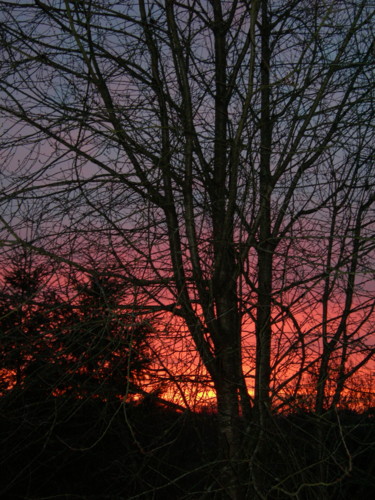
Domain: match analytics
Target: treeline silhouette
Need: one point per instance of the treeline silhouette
(71, 364)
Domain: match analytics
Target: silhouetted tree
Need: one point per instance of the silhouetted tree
(29, 322)
(87, 342)
(104, 344)
(220, 152)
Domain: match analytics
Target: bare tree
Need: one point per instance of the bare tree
(220, 152)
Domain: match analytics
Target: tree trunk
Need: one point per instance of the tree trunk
(229, 439)
(265, 262)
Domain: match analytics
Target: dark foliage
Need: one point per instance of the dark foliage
(85, 343)
(90, 449)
